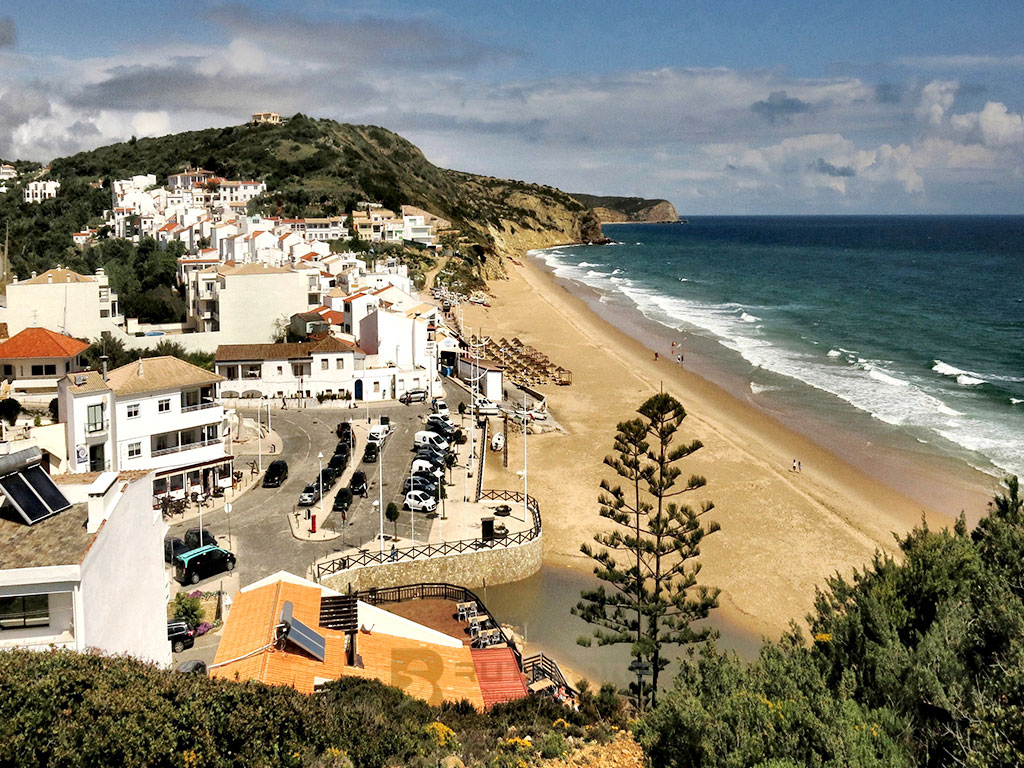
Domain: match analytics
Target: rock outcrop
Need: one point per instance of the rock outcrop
(624, 209)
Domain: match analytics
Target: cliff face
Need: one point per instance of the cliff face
(623, 209)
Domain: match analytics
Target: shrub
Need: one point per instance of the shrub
(188, 608)
(552, 745)
(9, 410)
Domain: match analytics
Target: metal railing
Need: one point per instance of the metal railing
(199, 406)
(186, 446)
(437, 591)
(366, 558)
(539, 666)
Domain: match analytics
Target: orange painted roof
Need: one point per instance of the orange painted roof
(433, 673)
(40, 342)
(499, 675)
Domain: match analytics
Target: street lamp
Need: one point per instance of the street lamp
(380, 509)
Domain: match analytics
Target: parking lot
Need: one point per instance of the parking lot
(260, 532)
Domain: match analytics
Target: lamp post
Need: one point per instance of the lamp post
(525, 510)
(380, 495)
(259, 437)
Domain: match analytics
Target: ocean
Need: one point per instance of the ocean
(895, 328)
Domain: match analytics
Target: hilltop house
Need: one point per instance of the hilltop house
(35, 359)
(74, 556)
(157, 413)
(8, 172)
(82, 306)
(37, 191)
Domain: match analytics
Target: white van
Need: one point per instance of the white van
(422, 466)
(378, 434)
(433, 439)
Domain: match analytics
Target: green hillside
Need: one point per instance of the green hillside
(629, 208)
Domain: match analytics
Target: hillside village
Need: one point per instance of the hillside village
(108, 469)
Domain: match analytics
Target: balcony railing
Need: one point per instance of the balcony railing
(199, 406)
(96, 427)
(187, 446)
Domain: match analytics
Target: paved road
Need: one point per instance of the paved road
(258, 522)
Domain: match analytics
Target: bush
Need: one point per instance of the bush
(188, 608)
(552, 745)
(54, 410)
(9, 410)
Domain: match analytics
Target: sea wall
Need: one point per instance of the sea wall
(471, 569)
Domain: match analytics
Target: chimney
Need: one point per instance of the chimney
(140, 368)
(103, 365)
(103, 495)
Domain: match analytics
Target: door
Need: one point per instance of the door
(359, 389)
(96, 458)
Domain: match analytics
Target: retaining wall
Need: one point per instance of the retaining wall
(471, 569)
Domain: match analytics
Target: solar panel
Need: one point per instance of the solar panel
(44, 486)
(341, 613)
(18, 491)
(311, 641)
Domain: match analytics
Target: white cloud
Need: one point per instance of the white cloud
(936, 99)
(962, 61)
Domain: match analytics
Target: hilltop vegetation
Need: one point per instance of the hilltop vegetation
(312, 167)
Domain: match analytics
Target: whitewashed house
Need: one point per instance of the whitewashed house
(74, 556)
(35, 359)
(77, 305)
(37, 191)
(157, 413)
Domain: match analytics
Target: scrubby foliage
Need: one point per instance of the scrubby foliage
(918, 663)
(66, 709)
(117, 354)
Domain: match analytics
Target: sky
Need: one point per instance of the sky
(721, 107)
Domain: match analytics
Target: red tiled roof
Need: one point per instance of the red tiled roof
(40, 342)
(499, 676)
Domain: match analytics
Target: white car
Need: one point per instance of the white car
(498, 441)
(441, 407)
(419, 501)
(422, 466)
(485, 407)
(378, 434)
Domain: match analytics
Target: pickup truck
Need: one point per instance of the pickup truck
(484, 407)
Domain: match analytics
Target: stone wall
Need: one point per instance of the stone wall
(472, 569)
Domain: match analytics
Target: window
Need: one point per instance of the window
(340, 364)
(24, 611)
(104, 313)
(280, 370)
(8, 370)
(163, 406)
(37, 370)
(376, 386)
(50, 370)
(94, 418)
(325, 364)
(134, 450)
(133, 411)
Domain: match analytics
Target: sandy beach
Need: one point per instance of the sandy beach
(782, 532)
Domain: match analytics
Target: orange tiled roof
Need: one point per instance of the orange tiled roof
(431, 672)
(40, 342)
(499, 675)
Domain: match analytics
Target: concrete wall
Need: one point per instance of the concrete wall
(495, 566)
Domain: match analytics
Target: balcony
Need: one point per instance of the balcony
(97, 427)
(199, 406)
(187, 446)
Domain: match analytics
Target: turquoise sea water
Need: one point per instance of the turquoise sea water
(916, 321)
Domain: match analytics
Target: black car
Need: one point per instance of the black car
(419, 483)
(370, 452)
(358, 483)
(344, 430)
(328, 477)
(197, 564)
(181, 634)
(413, 396)
(173, 548)
(192, 538)
(338, 463)
(421, 476)
(343, 448)
(440, 429)
(276, 474)
(343, 500)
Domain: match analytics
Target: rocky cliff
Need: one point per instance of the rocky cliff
(623, 209)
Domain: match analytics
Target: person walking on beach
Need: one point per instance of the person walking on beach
(799, 466)
(794, 465)
(679, 358)
(655, 355)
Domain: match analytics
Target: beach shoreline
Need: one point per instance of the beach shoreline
(783, 532)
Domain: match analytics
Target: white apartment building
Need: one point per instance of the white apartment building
(8, 172)
(329, 228)
(76, 305)
(74, 555)
(37, 191)
(245, 302)
(157, 413)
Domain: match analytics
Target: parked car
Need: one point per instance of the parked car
(276, 474)
(344, 448)
(441, 407)
(338, 462)
(357, 483)
(440, 428)
(443, 421)
(370, 452)
(344, 430)
(434, 461)
(328, 476)
(181, 634)
(172, 548)
(413, 396)
(434, 454)
(342, 500)
(485, 407)
(192, 539)
(419, 483)
(310, 495)
(378, 434)
(419, 501)
(498, 441)
(192, 667)
(426, 437)
(426, 467)
(201, 563)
